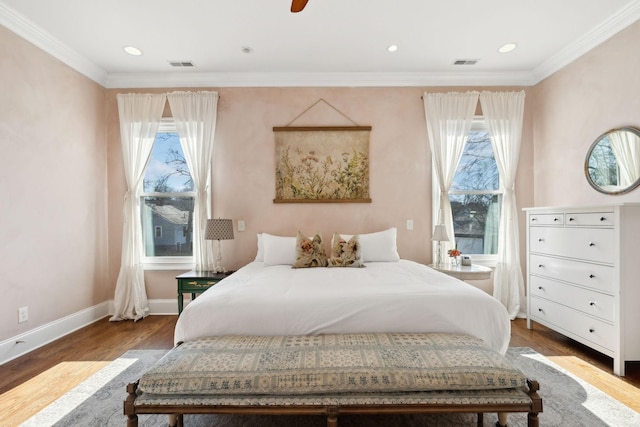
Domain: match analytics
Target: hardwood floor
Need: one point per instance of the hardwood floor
(50, 371)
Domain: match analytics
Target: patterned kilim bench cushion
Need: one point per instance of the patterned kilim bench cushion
(329, 364)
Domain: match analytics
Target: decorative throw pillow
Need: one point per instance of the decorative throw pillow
(309, 252)
(345, 253)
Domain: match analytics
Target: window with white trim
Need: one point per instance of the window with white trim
(476, 196)
(167, 202)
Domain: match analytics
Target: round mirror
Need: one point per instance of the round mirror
(612, 165)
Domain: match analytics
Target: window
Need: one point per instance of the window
(167, 201)
(476, 196)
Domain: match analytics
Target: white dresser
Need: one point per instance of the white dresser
(583, 276)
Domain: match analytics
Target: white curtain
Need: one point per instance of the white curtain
(195, 114)
(140, 116)
(449, 118)
(503, 113)
(626, 149)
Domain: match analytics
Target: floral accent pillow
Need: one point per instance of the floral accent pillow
(309, 252)
(345, 253)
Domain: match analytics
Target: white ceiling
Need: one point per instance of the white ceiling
(330, 43)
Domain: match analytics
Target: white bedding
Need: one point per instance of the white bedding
(401, 296)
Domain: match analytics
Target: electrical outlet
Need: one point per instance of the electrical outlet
(23, 314)
(409, 224)
(241, 226)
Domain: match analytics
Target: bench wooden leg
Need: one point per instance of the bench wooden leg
(129, 407)
(332, 416)
(132, 420)
(480, 419)
(502, 419)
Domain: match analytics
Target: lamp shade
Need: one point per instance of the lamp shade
(219, 229)
(440, 234)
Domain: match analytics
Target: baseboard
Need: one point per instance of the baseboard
(165, 306)
(35, 338)
(22, 344)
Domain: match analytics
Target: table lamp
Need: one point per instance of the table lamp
(439, 235)
(219, 229)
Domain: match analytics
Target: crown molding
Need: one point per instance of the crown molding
(20, 25)
(605, 30)
(347, 79)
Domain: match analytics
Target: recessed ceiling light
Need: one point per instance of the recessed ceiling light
(132, 50)
(507, 47)
(246, 49)
(392, 48)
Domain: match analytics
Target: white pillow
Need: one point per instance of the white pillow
(260, 254)
(278, 250)
(378, 247)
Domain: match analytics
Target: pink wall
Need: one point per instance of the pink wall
(53, 181)
(243, 169)
(597, 92)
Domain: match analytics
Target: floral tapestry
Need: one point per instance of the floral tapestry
(322, 164)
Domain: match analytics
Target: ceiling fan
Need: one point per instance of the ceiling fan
(298, 5)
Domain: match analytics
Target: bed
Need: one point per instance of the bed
(401, 296)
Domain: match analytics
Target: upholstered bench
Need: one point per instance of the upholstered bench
(331, 375)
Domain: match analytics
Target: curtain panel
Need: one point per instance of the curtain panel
(503, 113)
(449, 118)
(140, 116)
(195, 115)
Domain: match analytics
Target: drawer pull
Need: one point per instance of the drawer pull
(534, 219)
(591, 244)
(591, 303)
(603, 218)
(571, 219)
(591, 330)
(555, 219)
(540, 239)
(540, 288)
(541, 310)
(591, 276)
(540, 265)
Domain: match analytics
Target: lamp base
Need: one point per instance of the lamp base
(218, 268)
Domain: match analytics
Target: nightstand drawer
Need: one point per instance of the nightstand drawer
(197, 285)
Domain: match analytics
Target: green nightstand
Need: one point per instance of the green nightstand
(196, 282)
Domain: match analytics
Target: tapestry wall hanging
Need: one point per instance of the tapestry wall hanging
(322, 164)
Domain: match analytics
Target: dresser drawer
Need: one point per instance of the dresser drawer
(590, 244)
(600, 277)
(592, 219)
(574, 322)
(546, 219)
(585, 300)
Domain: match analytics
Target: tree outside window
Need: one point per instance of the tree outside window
(475, 196)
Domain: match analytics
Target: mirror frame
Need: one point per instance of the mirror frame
(590, 151)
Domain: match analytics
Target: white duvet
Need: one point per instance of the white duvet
(399, 296)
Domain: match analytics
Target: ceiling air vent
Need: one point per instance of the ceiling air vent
(465, 62)
(181, 63)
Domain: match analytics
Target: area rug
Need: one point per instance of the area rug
(567, 401)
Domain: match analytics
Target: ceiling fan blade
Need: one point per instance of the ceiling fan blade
(298, 5)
